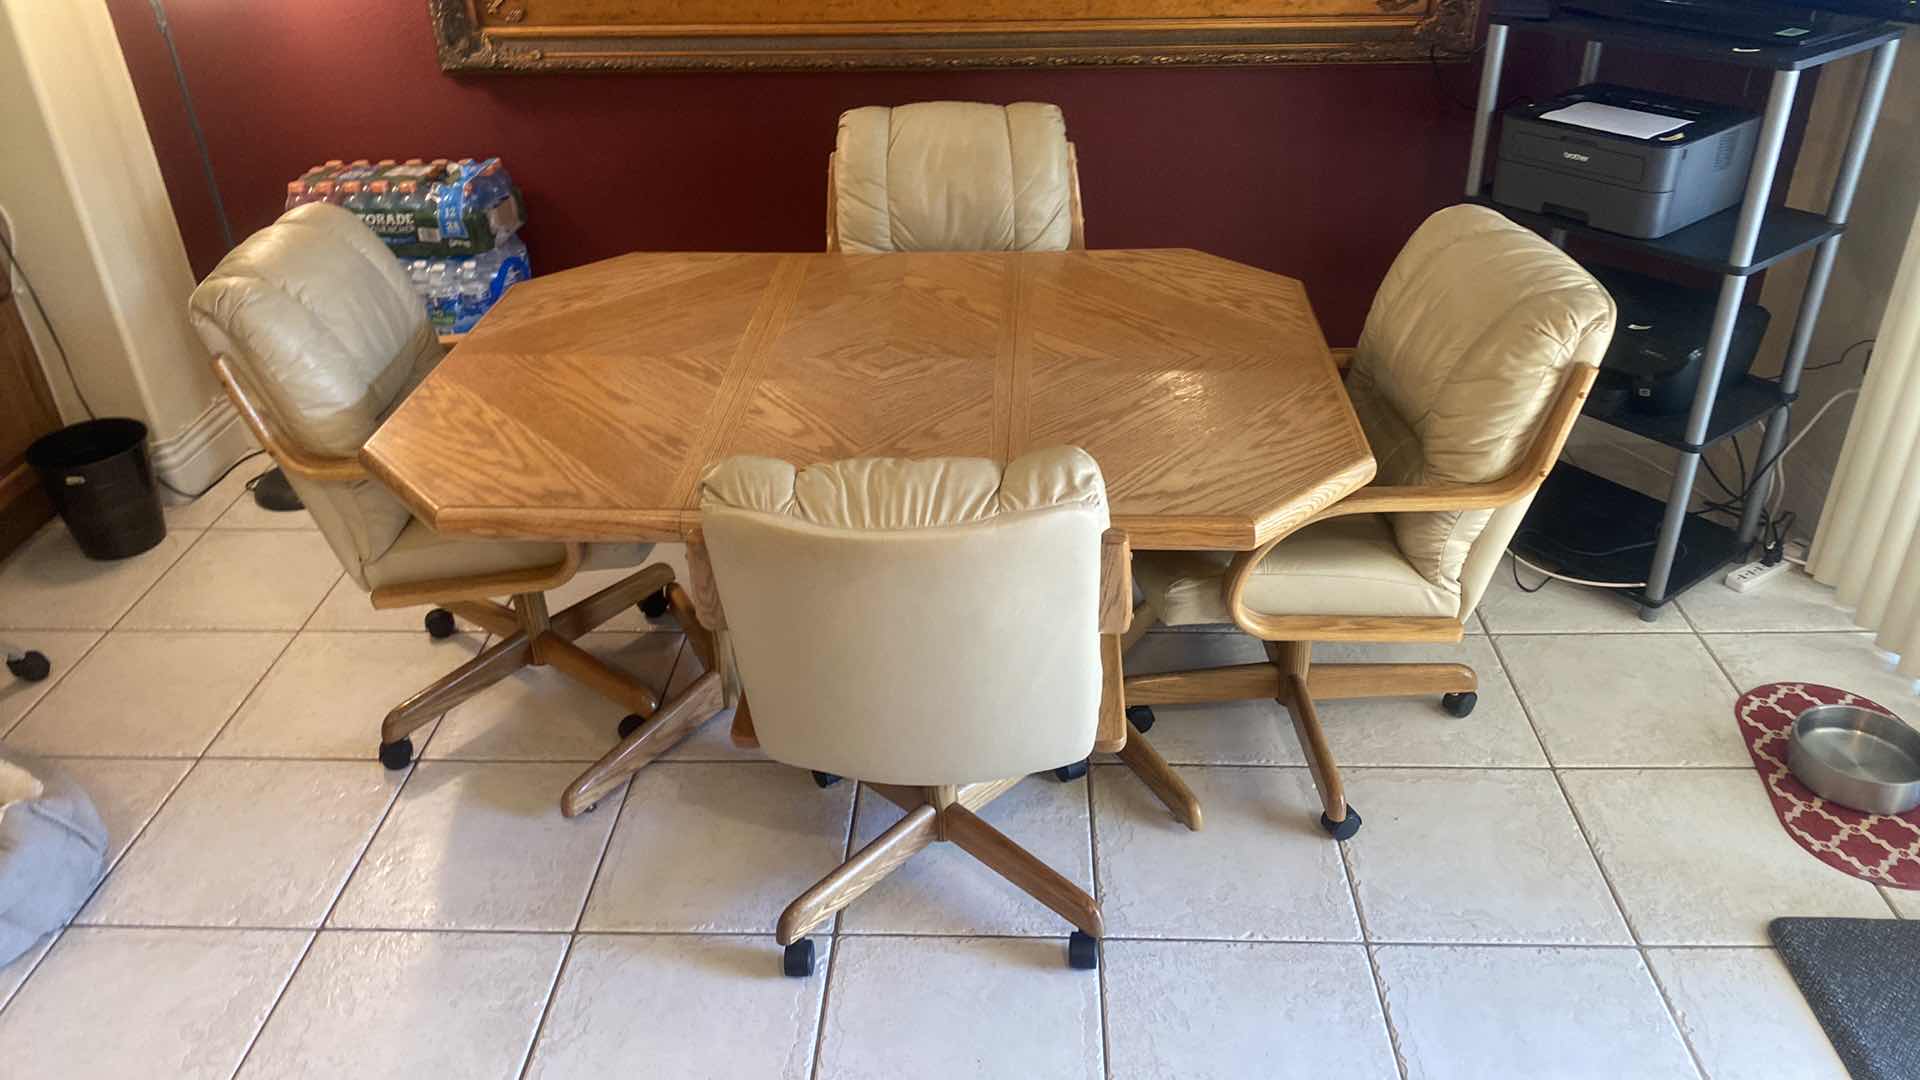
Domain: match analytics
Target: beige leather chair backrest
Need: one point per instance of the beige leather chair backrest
(953, 176)
(914, 622)
(1463, 352)
(326, 335)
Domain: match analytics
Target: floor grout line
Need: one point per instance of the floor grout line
(573, 936)
(99, 636)
(345, 880)
(903, 935)
(834, 939)
(1373, 963)
(1093, 871)
(73, 921)
(1613, 890)
(553, 991)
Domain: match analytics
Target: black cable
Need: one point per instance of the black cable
(1844, 353)
(1571, 550)
(1514, 565)
(34, 294)
(1440, 84)
(1732, 493)
(216, 481)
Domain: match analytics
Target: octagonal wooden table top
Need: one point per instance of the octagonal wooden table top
(588, 403)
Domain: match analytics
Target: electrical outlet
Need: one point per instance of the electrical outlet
(1753, 575)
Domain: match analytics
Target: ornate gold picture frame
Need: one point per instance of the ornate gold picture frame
(828, 35)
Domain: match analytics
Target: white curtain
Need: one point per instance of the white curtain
(1868, 543)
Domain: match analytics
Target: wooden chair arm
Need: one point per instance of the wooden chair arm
(1077, 238)
(284, 451)
(700, 585)
(833, 203)
(1116, 582)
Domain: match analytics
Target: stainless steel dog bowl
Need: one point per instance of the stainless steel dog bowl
(1866, 760)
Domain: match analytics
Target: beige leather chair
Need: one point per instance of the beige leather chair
(953, 176)
(932, 628)
(1476, 356)
(317, 336)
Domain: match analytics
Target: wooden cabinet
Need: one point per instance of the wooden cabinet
(26, 413)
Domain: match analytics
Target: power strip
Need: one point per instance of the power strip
(1753, 575)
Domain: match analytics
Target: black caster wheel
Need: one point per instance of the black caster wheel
(654, 605)
(1083, 951)
(1459, 704)
(31, 666)
(798, 960)
(825, 780)
(1141, 717)
(440, 624)
(630, 723)
(1067, 773)
(397, 755)
(1345, 827)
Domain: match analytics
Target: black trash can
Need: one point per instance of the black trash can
(100, 479)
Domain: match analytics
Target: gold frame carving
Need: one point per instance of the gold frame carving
(493, 36)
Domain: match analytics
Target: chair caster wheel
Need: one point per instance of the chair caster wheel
(440, 624)
(654, 605)
(397, 754)
(1066, 773)
(31, 666)
(1345, 827)
(1083, 951)
(825, 780)
(798, 959)
(630, 723)
(1459, 704)
(1141, 717)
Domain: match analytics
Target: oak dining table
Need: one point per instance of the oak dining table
(587, 404)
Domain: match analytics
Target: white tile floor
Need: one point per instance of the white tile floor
(1574, 881)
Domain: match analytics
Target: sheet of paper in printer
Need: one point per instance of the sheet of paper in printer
(1615, 120)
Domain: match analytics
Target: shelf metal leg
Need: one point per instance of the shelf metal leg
(1686, 469)
(1495, 59)
(1590, 63)
(1839, 207)
(1746, 236)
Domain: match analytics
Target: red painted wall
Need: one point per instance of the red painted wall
(1316, 172)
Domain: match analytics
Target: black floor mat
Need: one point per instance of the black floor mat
(1862, 977)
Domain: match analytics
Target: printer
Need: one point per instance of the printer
(1659, 342)
(1627, 161)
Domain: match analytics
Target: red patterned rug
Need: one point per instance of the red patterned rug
(1881, 848)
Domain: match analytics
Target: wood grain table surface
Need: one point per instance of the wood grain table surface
(588, 403)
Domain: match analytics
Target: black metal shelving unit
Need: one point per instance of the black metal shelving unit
(1584, 526)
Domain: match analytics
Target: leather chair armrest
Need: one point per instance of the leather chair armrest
(286, 453)
(1519, 481)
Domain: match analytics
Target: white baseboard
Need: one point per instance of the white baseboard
(193, 458)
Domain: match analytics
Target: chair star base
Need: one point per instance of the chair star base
(934, 815)
(1289, 677)
(530, 637)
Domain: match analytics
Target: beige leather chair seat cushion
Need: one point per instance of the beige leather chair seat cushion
(1341, 566)
(420, 554)
(953, 176)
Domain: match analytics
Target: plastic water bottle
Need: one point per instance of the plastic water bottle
(474, 300)
(443, 303)
(417, 273)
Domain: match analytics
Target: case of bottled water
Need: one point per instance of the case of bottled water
(453, 224)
